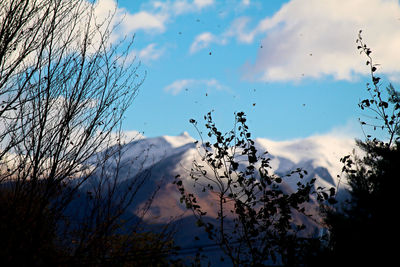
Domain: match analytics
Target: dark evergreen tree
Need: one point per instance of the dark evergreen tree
(363, 231)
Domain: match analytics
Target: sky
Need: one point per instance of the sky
(291, 66)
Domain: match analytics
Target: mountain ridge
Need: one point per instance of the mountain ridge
(167, 156)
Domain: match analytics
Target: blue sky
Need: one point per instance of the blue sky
(291, 66)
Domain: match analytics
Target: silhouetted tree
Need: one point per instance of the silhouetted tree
(363, 232)
(64, 89)
(256, 221)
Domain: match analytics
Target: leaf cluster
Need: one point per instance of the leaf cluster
(255, 222)
(361, 229)
(383, 104)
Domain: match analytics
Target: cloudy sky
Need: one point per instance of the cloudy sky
(291, 66)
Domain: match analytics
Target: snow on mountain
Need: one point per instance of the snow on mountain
(160, 159)
(167, 156)
(154, 149)
(142, 153)
(319, 155)
(323, 150)
(180, 140)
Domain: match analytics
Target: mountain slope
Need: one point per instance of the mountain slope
(160, 159)
(168, 156)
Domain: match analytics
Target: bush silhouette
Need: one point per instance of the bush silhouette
(255, 223)
(363, 231)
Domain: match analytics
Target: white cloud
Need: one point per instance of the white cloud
(132, 22)
(177, 86)
(179, 7)
(203, 3)
(215, 84)
(125, 22)
(147, 54)
(316, 38)
(104, 7)
(246, 2)
(204, 40)
(150, 53)
(144, 21)
(153, 17)
(238, 30)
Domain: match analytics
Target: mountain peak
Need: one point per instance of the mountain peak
(185, 134)
(180, 140)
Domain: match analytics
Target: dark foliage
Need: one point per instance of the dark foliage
(27, 229)
(363, 232)
(64, 90)
(255, 223)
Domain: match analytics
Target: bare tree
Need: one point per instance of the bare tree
(65, 94)
(64, 89)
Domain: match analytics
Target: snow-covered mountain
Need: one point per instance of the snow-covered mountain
(167, 156)
(160, 159)
(319, 155)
